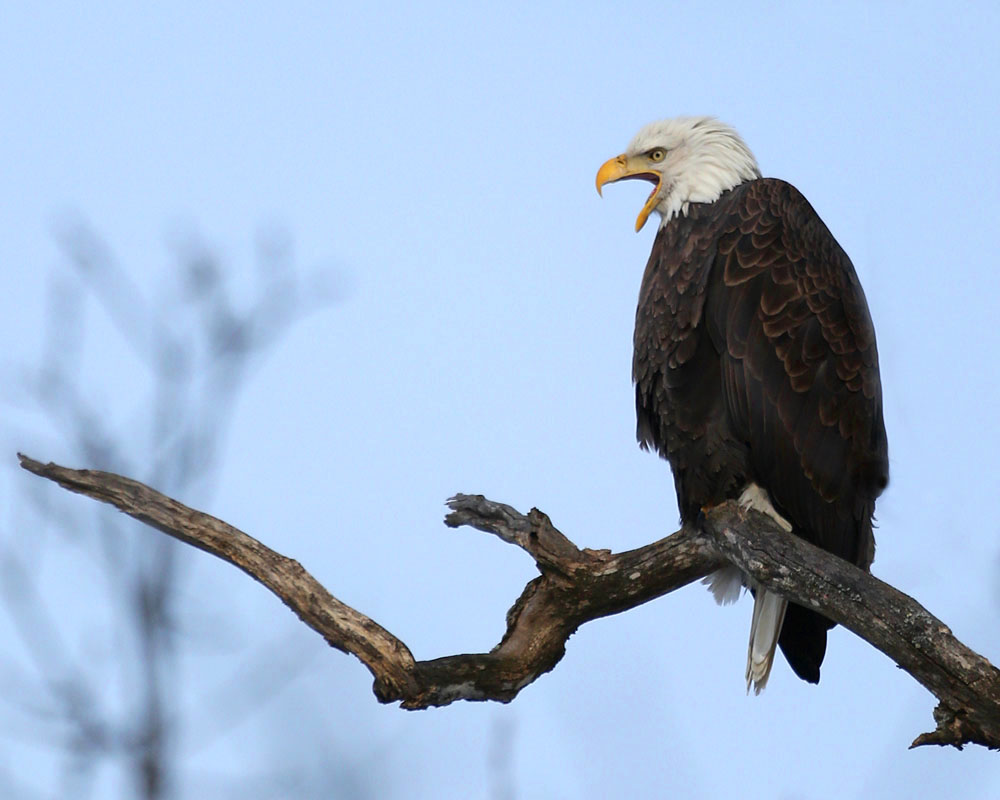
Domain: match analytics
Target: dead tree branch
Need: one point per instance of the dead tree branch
(576, 586)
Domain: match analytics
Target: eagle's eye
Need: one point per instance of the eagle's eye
(657, 154)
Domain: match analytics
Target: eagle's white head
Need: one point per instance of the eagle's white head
(688, 159)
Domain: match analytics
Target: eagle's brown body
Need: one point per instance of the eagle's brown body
(755, 362)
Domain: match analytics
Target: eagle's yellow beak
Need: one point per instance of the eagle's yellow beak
(622, 168)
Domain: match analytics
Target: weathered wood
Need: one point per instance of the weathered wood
(576, 586)
(966, 684)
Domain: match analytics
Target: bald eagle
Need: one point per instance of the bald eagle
(755, 367)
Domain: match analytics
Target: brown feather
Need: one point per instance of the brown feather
(755, 361)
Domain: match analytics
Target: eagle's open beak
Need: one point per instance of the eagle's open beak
(621, 168)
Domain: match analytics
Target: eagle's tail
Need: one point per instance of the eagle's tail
(768, 614)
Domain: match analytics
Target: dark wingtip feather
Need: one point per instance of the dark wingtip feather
(803, 641)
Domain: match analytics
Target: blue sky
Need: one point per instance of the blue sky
(440, 165)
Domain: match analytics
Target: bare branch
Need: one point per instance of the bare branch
(966, 684)
(576, 586)
(342, 626)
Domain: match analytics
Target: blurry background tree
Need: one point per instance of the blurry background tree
(103, 687)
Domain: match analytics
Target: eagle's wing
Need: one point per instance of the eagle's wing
(800, 378)
(800, 367)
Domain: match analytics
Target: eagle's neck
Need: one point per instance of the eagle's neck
(708, 170)
(697, 213)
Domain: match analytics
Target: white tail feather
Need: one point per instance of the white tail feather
(725, 585)
(768, 615)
